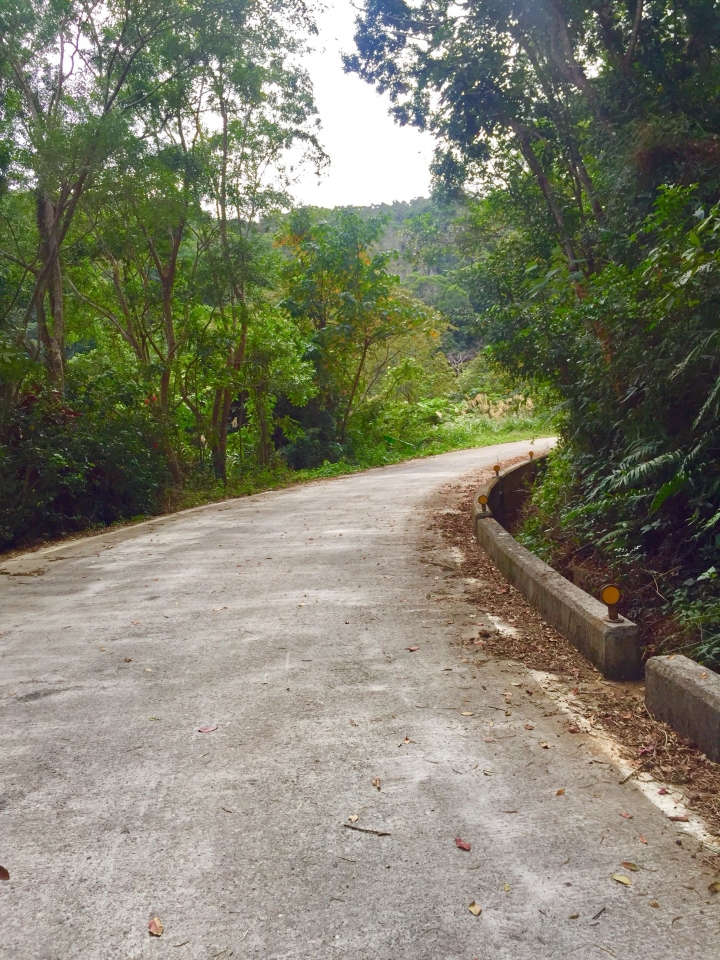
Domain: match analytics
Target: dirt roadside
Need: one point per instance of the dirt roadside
(652, 748)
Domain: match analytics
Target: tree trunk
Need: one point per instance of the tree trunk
(264, 444)
(221, 408)
(524, 141)
(353, 391)
(53, 340)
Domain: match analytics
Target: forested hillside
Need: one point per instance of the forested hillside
(172, 328)
(583, 138)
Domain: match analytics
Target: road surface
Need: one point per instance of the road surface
(283, 621)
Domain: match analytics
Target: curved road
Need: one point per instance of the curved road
(283, 620)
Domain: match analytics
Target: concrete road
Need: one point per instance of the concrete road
(282, 620)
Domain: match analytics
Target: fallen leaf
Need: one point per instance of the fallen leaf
(353, 818)
(714, 887)
(654, 903)
(627, 716)
(630, 866)
(207, 729)
(467, 713)
(488, 773)
(703, 675)
(148, 669)
(545, 746)
(642, 839)
(529, 726)
(573, 729)
(507, 888)
(574, 916)
(679, 817)
(628, 816)
(662, 791)
(621, 878)
(515, 684)
(650, 748)
(155, 927)
(353, 723)
(127, 660)
(462, 844)
(4, 873)
(412, 649)
(560, 792)
(376, 783)
(489, 739)
(575, 691)
(475, 909)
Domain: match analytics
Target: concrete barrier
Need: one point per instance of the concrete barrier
(611, 645)
(686, 696)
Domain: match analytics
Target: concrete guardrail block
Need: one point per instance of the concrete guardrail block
(686, 696)
(612, 646)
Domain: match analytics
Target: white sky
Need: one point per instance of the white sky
(372, 159)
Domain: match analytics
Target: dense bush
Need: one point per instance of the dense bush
(69, 463)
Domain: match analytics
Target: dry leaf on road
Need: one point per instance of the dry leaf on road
(376, 783)
(529, 726)
(155, 927)
(621, 878)
(560, 792)
(412, 649)
(353, 817)
(462, 844)
(630, 866)
(475, 909)
(627, 816)
(207, 729)
(4, 873)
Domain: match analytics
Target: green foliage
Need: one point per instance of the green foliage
(94, 457)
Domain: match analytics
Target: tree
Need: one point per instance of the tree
(79, 80)
(341, 290)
